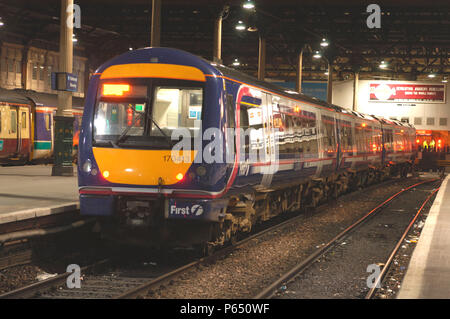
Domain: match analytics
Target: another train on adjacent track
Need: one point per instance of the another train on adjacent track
(26, 126)
(141, 192)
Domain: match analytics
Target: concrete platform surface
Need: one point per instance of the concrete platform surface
(31, 191)
(428, 274)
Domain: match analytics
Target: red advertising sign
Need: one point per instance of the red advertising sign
(398, 92)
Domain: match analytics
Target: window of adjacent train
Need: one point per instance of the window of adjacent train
(47, 122)
(175, 108)
(13, 121)
(24, 120)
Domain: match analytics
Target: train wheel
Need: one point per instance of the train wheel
(207, 249)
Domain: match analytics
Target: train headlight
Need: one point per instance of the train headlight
(87, 166)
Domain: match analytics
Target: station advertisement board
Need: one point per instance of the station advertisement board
(407, 92)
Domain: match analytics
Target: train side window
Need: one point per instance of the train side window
(47, 122)
(13, 121)
(24, 120)
(0, 121)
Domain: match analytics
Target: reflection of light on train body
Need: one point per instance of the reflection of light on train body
(100, 125)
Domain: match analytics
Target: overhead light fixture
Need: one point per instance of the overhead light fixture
(444, 80)
(240, 26)
(249, 4)
(236, 62)
(383, 65)
(431, 75)
(74, 39)
(130, 48)
(317, 55)
(327, 73)
(324, 43)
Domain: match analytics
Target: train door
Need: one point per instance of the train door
(24, 130)
(269, 156)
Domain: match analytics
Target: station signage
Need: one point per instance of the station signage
(62, 81)
(399, 92)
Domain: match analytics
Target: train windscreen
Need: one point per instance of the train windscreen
(133, 114)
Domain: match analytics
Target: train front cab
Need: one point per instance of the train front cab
(127, 174)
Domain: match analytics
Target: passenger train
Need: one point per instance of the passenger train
(143, 192)
(26, 126)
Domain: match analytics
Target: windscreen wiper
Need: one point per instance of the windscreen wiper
(125, 131)
(122, 136)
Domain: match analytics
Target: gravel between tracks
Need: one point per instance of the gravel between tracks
(253, 266)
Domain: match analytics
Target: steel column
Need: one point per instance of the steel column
(155, 40)
(262, 58)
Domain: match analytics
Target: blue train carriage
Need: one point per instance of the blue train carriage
(308, 150)
(16, 133)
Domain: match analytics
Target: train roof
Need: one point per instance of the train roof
(12, 97)
(234, 74)
(170, 55)
(46, 99)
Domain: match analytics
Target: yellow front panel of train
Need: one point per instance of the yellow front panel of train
(142, 167)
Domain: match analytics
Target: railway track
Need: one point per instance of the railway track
(121, 283)
(292, 275)
(379, 279)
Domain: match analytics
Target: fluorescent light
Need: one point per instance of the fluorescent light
(236, 62)
(317, 55)
(324, 43)
(431, 75)
(248, 4)
(383, 65)
(240, 26)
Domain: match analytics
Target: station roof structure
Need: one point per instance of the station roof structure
(414, 38)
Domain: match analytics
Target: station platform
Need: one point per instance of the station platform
(28, 192)
(428, 273)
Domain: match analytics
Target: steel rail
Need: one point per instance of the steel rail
(380, 278)
(33, 289)
(298, 269)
